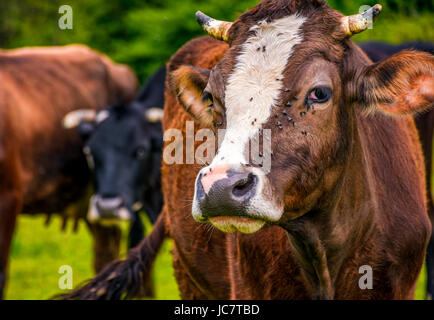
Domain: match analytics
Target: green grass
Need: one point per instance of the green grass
(39, 251)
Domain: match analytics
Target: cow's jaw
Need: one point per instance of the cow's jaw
(252, 91)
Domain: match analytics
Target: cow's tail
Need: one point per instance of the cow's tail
(123, 279)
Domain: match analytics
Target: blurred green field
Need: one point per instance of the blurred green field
(39, 251)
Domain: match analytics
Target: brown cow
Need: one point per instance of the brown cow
(346, 183)
(378, 51)
(42, 167)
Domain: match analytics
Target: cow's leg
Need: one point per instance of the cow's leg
(137, 232)
(188, 289)
(10, 204)
(106, 245)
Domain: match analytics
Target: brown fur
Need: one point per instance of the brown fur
(408, 75)
(424, 123)
(42, 168)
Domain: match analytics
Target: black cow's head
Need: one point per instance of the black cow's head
(123, 148)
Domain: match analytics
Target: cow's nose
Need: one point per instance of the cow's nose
(243, 185)
(225, 192)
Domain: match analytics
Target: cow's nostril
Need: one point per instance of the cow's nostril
(200, 193)
(229, 193)
(244, 186)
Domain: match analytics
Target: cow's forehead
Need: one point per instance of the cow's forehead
(122, 130)
(255, 83)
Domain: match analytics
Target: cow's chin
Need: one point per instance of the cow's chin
(233, 224)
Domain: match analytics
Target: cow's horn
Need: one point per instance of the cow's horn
(360, 22)
(215, 28)
(74, 118)
(154, 115)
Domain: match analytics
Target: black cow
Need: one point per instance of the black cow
(123, 146)
(378, 51)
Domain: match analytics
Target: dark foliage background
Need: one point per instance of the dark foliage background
(145, 33)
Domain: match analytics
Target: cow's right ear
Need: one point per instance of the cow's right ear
(188, 83)
(401, 85)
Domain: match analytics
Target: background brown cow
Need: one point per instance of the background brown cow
(42, 168)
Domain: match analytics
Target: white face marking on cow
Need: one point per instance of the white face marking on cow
(253, 89)
(262, 61)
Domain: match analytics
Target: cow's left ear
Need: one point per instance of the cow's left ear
(189, 82)
(401, 85)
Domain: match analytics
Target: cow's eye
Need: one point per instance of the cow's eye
(208, 98)
(140, 153)
(320, 95)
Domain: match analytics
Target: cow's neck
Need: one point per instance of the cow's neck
(325, 238)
